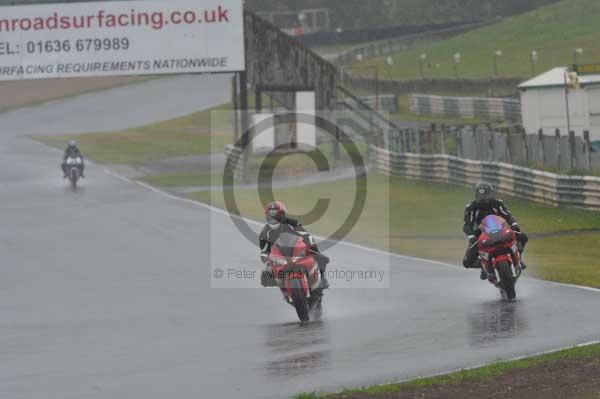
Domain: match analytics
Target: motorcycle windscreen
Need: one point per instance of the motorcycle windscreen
(287, 242)
(493, 224)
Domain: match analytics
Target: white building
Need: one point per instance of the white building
(544, 105)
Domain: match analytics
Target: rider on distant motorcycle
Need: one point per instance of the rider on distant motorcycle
(72, 152)
(276, 222)
(486, 204)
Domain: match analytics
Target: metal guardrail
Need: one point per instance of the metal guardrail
(535, 185)
(466, 107)
(233, 154)
(500, 85)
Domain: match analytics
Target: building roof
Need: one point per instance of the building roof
(556, 78)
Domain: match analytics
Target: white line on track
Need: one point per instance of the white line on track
(346, 243)
(372, 250)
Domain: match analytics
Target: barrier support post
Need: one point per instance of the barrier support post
(443, 139)
(234, 101)
(542, 150)
(557, 144)
(419, 141)
(588, 149)
(525, 145)
(460, 151)
(507, 137)
(430, 145)
(476, 152)
(245, 138)
(491, 147)
(572, 149)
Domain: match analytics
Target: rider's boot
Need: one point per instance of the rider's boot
(267, 278)
(322, 270)
(322, 262)
(483, 274)
(523, 265)
(324, 282)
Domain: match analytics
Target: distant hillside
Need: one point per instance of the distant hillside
(554, 31)
(365, 14)
(359, 14)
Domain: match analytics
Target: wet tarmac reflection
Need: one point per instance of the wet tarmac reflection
(293, 349)
(497, 320)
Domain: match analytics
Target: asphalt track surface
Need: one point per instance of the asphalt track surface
(105, 291)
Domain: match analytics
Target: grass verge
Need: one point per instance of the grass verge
(31, 93)
(482, 373)
(554, 31)
(195, 134)
(425, 220)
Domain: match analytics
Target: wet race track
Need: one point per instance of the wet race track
(105, 291)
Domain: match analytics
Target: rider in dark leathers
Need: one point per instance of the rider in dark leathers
(277, 221)
(486, 204)
(72, 152)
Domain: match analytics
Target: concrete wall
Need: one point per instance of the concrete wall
(274, 58)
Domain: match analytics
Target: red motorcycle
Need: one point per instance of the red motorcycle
(499, 255)
(297, 275)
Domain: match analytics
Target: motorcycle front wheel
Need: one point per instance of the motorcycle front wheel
(299, 300)
(507, 282)
(73, 177)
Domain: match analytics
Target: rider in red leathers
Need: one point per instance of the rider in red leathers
(275, 214)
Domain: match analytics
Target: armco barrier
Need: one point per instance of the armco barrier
(535, 185)
(502, 85)
(387, 102)
(467, 107)
(234, 155)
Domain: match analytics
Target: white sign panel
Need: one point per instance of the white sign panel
(121, 38)
(307, 133)
(264, 139)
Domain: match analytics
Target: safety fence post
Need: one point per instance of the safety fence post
(541, 150)
(572, 149)
(525, 145)
(443, 139)
(588, 149)
(557, 144)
